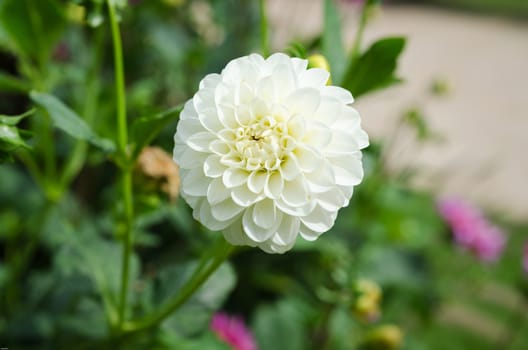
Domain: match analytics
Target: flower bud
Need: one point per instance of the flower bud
(75, 13)
(385, 337)
(367, 302)
(155, 163)
(319, 61)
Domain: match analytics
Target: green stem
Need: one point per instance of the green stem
(205, 269)
(361, 29)
(126, 178)
(264, 40)
(122, 128)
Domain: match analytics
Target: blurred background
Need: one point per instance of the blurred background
(473, 52)
(396, 271)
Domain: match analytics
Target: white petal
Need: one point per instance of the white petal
(266, 89)
(304, 101)
(210, 81)
(287, 231)
(314, 77)
(188, 127)
(195, 183)
(348, 172)
(242, 196)
(217, 192)
(295, 211)
(227, 115)
(321, 179)
(284, 80)
(296, 126)
(308, 234)
(235, 234)
(317, 135)
(189, 111)
(329, 110)
(265, 213)
(274, 185)
(338, 92)
(190, 159)
(332, 200)
(257, 180)
(290, 168)
(234, 177)
(295, 193)
(207, 219)
(226, 210)
(307, 158)
(213, 167)
(319, 220)
(210, 120)
(299, 65)
(254, 231)
(201, 141)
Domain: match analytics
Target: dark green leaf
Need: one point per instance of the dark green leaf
(12, 120)
(145, 129)
(69, 122)
(332, 41)
(13, 84)
(32, 27)
(375, 68)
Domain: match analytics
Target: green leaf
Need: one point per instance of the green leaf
(10, 83)
(10, 140)
(332, 41)
(32, 27)
(12, 120)
(145, 129)
(195, 314)
(280, 326)
(375, 68)
(69, 122)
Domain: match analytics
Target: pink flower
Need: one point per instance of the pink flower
(471, 230)
(233, 331)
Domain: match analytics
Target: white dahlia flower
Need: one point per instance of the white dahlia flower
(268, 151)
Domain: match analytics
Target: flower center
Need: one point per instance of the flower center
(263, 145)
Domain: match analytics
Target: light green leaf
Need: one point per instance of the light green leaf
(10, 140)
(32, 27)
(332, 41)
(145, 129)
(375, 68)
(13, 120)
(68, 121)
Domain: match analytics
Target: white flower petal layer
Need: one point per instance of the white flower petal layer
(267, 151)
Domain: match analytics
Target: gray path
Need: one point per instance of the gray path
(483, 119)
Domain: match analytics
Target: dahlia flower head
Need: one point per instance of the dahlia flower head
(233, 331)
(268, 151)
(471, 229)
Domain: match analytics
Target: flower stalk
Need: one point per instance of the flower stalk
(126, 175)
(208, 265)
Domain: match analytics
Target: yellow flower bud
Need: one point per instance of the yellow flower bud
(319, 61)
(385, 337)
(75, 13)
(367, 302)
